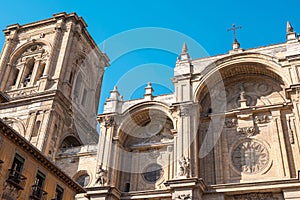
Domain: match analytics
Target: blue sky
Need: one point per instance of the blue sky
(205, 22)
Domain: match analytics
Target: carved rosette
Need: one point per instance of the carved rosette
(250, 157)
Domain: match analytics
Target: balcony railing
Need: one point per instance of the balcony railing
(38, 193)
(16, 179)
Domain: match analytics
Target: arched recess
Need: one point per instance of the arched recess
(70, 141)
(83, 178)
(260, 83)
(146, 136)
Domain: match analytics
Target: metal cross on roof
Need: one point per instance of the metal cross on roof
(234, 28)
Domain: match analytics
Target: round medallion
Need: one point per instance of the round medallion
(153, 172)
(250, 157)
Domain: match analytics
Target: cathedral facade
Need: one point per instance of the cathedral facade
(230, 130)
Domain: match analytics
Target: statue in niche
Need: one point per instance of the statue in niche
(27, 80)
(101, 176)
(184, 169)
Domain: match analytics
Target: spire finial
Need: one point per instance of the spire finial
(184, 56)
(184, 48)
(289, 27)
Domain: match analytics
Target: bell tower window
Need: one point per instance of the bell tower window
(28, 72)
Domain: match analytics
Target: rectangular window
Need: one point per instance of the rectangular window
(37, 188)
(59, 192)
(15, 173)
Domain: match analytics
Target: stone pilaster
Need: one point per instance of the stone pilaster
(10, 38)
(188, 189)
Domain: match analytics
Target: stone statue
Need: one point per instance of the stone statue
(184, 169)
(27, 80)
(101, 176)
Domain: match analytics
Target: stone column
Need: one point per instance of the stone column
(279, 144)
(34, 72)
(42, 136)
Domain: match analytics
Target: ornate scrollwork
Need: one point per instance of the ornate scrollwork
(230, 123)
(247, 131)
(109, 121)
(183, 196)
(261, 119)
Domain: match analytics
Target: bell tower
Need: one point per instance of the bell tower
(51, 73)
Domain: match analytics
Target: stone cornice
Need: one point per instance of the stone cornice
(17, 139)
(254, 186)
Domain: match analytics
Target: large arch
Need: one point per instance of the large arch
(264, 64)
(146, 146)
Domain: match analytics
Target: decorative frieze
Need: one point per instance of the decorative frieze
(255, 196)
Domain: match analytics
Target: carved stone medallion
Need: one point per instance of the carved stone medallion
(250, 156)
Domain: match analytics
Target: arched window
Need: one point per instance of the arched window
(36, 128)
(83, 180)
(28, 66)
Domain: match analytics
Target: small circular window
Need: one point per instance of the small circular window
(83, 180)
(153, 172)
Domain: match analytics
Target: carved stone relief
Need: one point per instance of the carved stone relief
(248, 131)
(184, 167)
(101, 176)
(261, 119)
